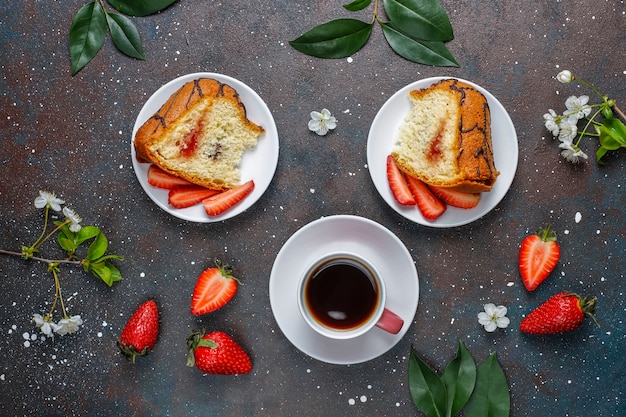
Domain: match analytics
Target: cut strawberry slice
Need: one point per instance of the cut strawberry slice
(221, 202)
(397, 183)
(456, 198)
(214, 288)
(183, 196)
(429, 205)
(538, 256)
(161, 179)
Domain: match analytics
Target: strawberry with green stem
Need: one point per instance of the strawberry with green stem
(563, 312)
(140, 333)
(217, 353)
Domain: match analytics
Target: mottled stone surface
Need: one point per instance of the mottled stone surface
(72, 135)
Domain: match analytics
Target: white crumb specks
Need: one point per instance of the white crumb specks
(578, 217)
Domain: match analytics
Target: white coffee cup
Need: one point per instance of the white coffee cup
(342, 296)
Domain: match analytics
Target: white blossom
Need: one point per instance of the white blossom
(493, 317)
(571, 152)
(565, 77)
(45, 324)
(322, 122)
(568, 129)
(74, 218)
(68, 325)
(578, 106)
(551, 122)
(46, 198)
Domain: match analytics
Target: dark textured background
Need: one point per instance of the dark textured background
(72, 135)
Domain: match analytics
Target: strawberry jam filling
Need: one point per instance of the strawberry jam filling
(187, 145)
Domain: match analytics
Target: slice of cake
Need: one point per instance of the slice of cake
(445, 140)
(200, 134)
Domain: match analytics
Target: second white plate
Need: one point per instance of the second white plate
(382, 137)
(258, 164)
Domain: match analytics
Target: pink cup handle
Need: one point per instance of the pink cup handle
(390, 322)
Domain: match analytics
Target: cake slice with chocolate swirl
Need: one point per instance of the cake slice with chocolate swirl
(200, 134)
(445, 140)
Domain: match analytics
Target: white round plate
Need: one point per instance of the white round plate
(352, 234)
(382, 137)
(258, 164)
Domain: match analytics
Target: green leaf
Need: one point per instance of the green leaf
(491, 396)
(116, 275)
(102, 271)
(459, 378)
(357, 5)
(420, 19)
(612, 134)
(427, 389)
(335, 39)
(97, 247)
(140, 7)
(424, 52)
(125, 35)
(600, 153)
(86, 233)
(87, 34)
(66, 244)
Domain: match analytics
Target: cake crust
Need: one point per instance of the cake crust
(445, 141)
(176, 137)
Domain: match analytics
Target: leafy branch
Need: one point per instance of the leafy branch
(92, 22)
(70, 235)
(417, 30)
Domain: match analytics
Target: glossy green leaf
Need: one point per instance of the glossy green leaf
(459, 377)
(125, 35)
(420, 19)
(98, 247)
(491, 396)
(357, 5)
(335, 39)
(600, 153)
(612, 134)
(66, 244)
(87, 34)
(86, 233)
(427, 389)
(116, 275)
(424, 52)
(102, 271)
(140, 7)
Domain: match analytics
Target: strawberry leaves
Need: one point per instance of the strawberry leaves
(480, 391)
(416, 30)
(92, 22)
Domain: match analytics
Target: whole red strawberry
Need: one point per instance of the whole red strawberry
(217, 353)
(141, 331)
(562, 312)
(538, 255)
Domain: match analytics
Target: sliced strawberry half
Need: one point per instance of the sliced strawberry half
(538, 255)
(428, 203)
(398, 184)
(221, 202)
(183, 196)
(161, 179)
(214, 288)
(456, 198)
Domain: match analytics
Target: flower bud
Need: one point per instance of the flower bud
(565, 77)
(607, 112)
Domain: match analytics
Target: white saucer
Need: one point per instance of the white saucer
(382, 137)
(353, 234)
(258, 164)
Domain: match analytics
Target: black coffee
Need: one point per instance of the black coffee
(341, 293)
